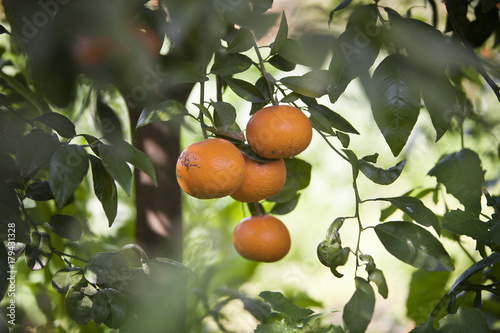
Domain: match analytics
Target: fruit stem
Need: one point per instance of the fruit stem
(263, 71)
(258, 209)
(200, 115)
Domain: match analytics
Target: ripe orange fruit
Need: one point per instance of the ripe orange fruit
(261, 238)
(262, 180)
(211, 168)
(279, 131)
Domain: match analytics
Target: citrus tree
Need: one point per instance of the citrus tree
(89, 89)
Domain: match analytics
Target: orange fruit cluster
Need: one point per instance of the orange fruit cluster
(214, 168)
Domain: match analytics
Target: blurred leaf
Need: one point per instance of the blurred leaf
(463, 177)
(465, 223)
(231, 63)
(490, 260)
(11, 214)
(59, 123)
(274, 327)
(107, 267)
(260, 310)
(115, 163)
(104, 189)
(65, 226)
(415, 209)
(38, 252)
(465, 320)
(165, 111)
(279, 303)
(281, 36)
(93, 142)
(294, 52)
(68, 166)
(426, 327)
(245, 90)
(414, 245)
(109, 122)
(5, 269)
(395, 101)
(283, 208)
(358, 311)
(426, 290)
(78, 302)
(138, 159)
(35, 151)
(307, 86)
(243, 41)
(298, 176)
(341, 5)
(64, 278)
(39, 190)
(334, 119)
(381, 176)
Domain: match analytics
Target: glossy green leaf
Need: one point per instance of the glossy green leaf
(379, 175)
(415, 209)
(225, 114)
(414, 245)
(59, 123)
(104, 189)
(165, 111)
(107, 267)
(231, 63)
(279, 303)
(78, 302)
(115, 163)
(464, 321)
(243, 41)
(64, 278)
(68, 167)
(465, 223)
(306, 86)
(354, 162)
(334, 119)
(281, 36)
(425, 292)
(39, 251)
(462, 175)
(490, 260)
(66, 226)
(281, 63)
(245, 90)
(358, 311)
(395, 101)
(110, 307)
(298, 176)
(283, 208)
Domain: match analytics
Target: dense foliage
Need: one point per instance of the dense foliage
(406, 66)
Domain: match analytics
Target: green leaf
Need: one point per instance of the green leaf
(283, 208)
(464, 321)
(298, 176)
(107, 267)
(281, 36)
(59, 123)
(294, 52)
(104, 189)
(68, 167)
(226, 114)
(231, 63)
(138, 159)
(426, 290)
(115, 163)
(110, 307)
(462, 175)
(306, 86)
(245, 90)
(465, 223)
(165, 111)
(243, 41)
(381, 176)
(78, 302)
(274, 327)
(66, 226)
(395, 101)
(279, 303)
(6, 267)
(38, 252)
(358, 311)
(64, 278)
(377, 276)
(281, 63)
(414, 245)
(354, 162)
(109, 122)
(35, 151)
(39, 190)
(334, 119)
(415, 209)
(11, 214)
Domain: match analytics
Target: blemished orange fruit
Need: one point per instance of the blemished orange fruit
(262, 180)
(279, 131)
(211, 168)
(261, 238)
